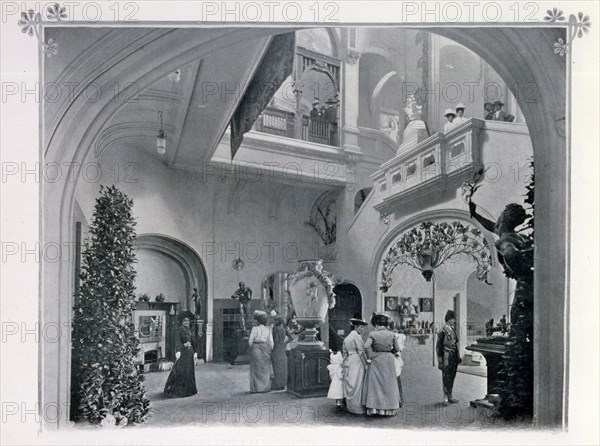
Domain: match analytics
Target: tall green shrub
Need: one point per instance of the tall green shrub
(105, 380)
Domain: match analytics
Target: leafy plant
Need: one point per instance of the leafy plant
(105, 380)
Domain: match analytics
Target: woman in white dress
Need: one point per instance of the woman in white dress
(401, 342)
(261, 347)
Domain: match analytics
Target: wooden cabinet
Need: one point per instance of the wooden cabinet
(307, 372)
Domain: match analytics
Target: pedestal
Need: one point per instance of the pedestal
(243, 356)
(492, 350)
(307, 371)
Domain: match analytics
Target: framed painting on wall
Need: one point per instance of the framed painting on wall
(390, 303)
(426, 304)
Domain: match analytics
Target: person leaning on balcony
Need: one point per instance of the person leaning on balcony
(489, 111)
(315, 113)
(450, 115)
(501, 115)
(460, 111)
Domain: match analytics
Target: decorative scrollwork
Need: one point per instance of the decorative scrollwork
(430, 245)
(31, 22)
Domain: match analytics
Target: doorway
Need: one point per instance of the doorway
(348, 305)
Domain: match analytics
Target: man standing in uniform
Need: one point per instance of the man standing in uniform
(243, 294)
(448, 356)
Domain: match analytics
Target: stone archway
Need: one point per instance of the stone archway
(186, 258)
(520, 56)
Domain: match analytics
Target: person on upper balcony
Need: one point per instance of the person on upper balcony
(315, 113)
(449, 115)
(489, 111)
(501, 115)
(460, 111)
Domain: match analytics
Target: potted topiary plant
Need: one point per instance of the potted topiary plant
(106, 385)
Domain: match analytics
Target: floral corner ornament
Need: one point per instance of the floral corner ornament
(577, 27)
(31, 22)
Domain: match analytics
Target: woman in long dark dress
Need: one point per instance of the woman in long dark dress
(278, 356)
(261, 346)
(182, 379)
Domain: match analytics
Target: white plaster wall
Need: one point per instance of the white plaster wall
(219, 219)
(506, 149)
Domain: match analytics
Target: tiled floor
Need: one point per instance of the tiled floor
(223, 399)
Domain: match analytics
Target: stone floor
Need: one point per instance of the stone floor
(223, 400)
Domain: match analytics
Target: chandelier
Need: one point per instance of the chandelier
(430, 245)
(161, 138)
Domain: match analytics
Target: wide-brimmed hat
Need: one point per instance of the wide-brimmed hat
(316, 101)
(185, 314)
(332, 100)
(379, 319)
(460, 105)
(449, 315)
(449, 111)
(499, 102)
(357, 321)
(261, 317)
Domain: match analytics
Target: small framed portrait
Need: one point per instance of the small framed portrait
(426, 304)
(390, 303)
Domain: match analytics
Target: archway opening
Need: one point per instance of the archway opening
(348, 305)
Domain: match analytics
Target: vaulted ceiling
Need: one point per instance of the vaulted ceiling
(196, 105)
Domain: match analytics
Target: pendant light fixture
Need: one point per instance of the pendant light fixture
(161, 138)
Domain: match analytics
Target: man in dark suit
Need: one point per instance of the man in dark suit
(499, 114)
(448, 356)
(330, 116)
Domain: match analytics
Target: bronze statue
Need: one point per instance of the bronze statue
(243, 294)
(197, 303)
(515, 251)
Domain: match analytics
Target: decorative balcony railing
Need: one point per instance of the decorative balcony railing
(281, 123)
(275, 122)
(428, 165)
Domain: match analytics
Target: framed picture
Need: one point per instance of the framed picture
(407, 306)
(426, 304)
(390, 303)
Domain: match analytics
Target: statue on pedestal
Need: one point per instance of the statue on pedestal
(415, 124)
(243, 294)
(515, 253)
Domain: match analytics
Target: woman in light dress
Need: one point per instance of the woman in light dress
(401, 341)
(261, 347)
(355, 360)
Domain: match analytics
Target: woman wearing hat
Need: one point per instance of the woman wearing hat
(460, 111)
(353, 366)
(448, 355)
(382, 396)
(450, 115)
(182, 379)
(278, 356)
(261, 346)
